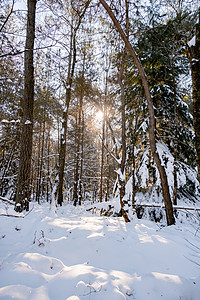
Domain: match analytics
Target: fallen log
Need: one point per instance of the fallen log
(162, 206)
(6, 200)
(14, 216)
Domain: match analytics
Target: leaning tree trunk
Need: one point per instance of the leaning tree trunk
(195, 68)
(23, 185)
(161, 169)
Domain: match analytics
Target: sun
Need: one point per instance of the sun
(99, 116)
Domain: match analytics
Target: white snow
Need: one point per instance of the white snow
(28, 122)
(63, 131)
(75, 255)
(192, 42)
(185, 174)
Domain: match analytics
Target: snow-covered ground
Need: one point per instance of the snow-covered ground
(75, 255)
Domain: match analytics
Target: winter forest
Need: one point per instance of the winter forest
(100, 149)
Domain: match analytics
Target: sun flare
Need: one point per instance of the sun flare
(99, 115)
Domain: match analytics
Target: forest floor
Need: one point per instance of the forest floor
(76, 255)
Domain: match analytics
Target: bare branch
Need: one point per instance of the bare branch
(20, 52)
(8, 16)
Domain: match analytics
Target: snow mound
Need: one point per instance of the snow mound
(75, 255)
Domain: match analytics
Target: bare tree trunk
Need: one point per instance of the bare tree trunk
(38, 164)
(76, 160)
(77, 196)
(122, 176)
(48, 163)
(41, 161)
(175, 191)
(161, 169)
(102, 156)
(23, 185)
(6, 167)
(107, 163)
(81, 163)
(195, 68)
(62, 152)
(113, 139)
(133, 178)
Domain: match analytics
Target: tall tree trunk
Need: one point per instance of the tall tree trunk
(175, 191)
(80, 195)
(102, 155)
(23, 185)
(77, 197)
(38, 163)
(107, 163)
(195, 68)
(122, 175)
(133, 177)
(41, 162)
(62, 152)
(76, 160)
(161, 169)
(175, 123)
(48, 163)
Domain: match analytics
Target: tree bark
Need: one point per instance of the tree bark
(122, 175)
(77, 178)
(175, 191)
(161, 169)
(23, 186)
(102, 155)
(41, 162)
(62, 152)
(48, 163)
(195, 69)
(76, 158)
(133, 178)
(80, 195)
(107, 195)
(38, 164)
